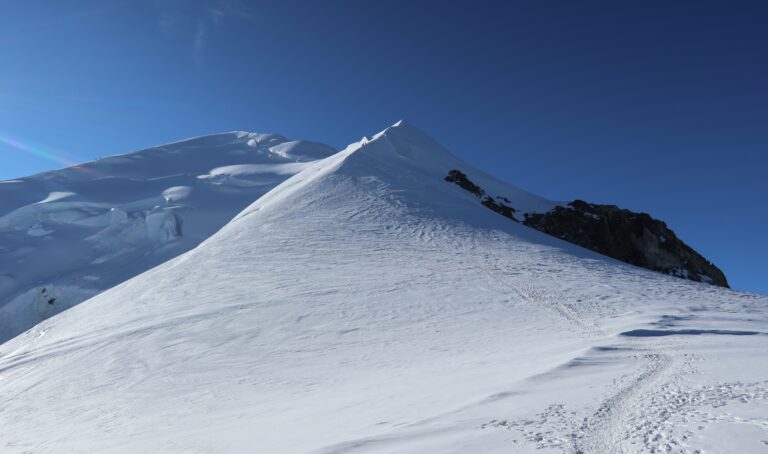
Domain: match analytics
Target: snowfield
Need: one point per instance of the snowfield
(365, 305)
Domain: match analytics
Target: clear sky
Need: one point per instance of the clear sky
(657, 106)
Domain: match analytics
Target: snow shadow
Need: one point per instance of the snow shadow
(685, 332)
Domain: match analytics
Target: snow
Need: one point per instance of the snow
(366, 305)
(95, 225)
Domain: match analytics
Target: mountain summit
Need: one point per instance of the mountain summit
(366, 304)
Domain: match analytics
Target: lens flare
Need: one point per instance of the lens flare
(36, 150)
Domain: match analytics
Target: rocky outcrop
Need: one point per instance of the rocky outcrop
(501, 208)
(459, 178)
(634, 238)
(631, 237)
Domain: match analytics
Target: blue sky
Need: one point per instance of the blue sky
(659, 107)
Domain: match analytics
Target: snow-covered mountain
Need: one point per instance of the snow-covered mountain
(70, 234)
(367, 305)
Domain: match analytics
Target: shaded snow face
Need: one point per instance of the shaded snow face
(80, 230)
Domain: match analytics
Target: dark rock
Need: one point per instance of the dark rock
(459, 178)
(631, 237)
(456, 177)
(504, 210)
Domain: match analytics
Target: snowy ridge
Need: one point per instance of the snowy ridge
(366, 305)
(403, 155)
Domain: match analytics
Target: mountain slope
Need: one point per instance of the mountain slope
(364, 305)
(69, 234)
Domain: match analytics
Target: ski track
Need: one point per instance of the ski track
(611, 427)
(658, 408)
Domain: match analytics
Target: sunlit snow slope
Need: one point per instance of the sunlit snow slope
(72, 233)
(367, 305)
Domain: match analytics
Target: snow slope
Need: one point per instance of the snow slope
(70, 234)
(366, 305)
